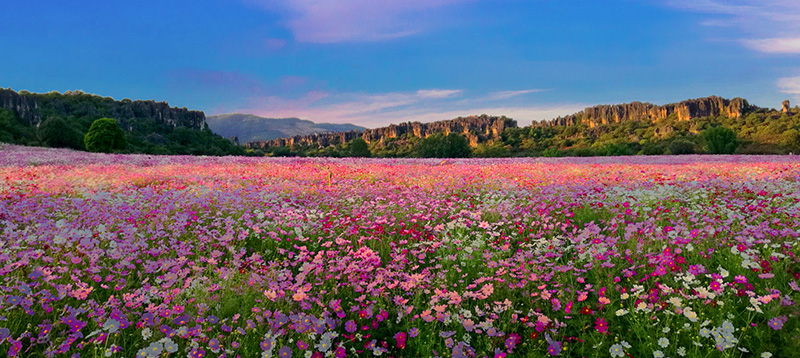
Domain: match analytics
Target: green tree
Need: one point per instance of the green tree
(681, 146)
(791, 140)
(358, 148)
(439, 146)
(720, 140)
(491, 150)
(105, 135)
(56, 132)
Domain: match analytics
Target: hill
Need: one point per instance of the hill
(150, 127)
(616, 129)
(250, 128)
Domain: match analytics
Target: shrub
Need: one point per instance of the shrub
(358, 148)
(681, 146)
(791, 140)
(104, 136)
(56, 132)
(438, 146)
(720, 140)
(652, 149)
(551, 152)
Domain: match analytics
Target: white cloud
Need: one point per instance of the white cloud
(381, 109)
(775, 45)
(771, 26)
(790, 85)
(509, 94)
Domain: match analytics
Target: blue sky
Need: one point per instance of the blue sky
(378, 62)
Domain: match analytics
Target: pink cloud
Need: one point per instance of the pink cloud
(380, 109)
(274, 44)
(331, 21)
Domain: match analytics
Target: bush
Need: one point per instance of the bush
(551, 152)
(614, 149)
(681, 146)
(493, 150)
(358, 148)
(720, 140)
(438, 146)
(791, 140)
(652, 149)
(105, 136)
(56, 132)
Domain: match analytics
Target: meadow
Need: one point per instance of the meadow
(170, 256)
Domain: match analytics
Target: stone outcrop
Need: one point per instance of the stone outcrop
(786, 106)
(29, 107)
(477, 129)
(647, 112)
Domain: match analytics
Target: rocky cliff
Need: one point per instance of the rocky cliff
(477, 129)
(638, 111)
(32, 107)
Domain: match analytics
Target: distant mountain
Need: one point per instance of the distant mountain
(250, 128)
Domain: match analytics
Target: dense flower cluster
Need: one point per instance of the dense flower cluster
(122, 256)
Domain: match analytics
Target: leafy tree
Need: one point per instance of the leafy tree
(491, 150)
(56, 132)
(551, 152)
(651, 148)
(438, 146)
(720, 140)
(105, 135)
(791, 140)
(358, 148)
(681, 146)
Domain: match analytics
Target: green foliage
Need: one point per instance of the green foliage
(12, 131)
(614, 149)
(105, 136)
(720, 140)
(551, 152)
(491, 150)
(144, 132)
(651, 148)
(56, 132)
(791, 140)
(438, 146)
(681, 146)
(358, 148)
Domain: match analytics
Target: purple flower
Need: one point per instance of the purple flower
(777, 322)
(350, 326)
(266, 345)
(214, 344)
(554, 349)
(181, 320)
(285, 352)
(302, 345)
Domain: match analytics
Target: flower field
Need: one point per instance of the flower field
(137, 256)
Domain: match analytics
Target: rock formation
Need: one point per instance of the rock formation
(786, 107)
(477, 129)
(29, 107)
(638, 111)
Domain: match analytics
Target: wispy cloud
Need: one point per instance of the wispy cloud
(331, 21)
(509, 94)
(767, 26)
(775, 45)
(380, 109)
(790, 85)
